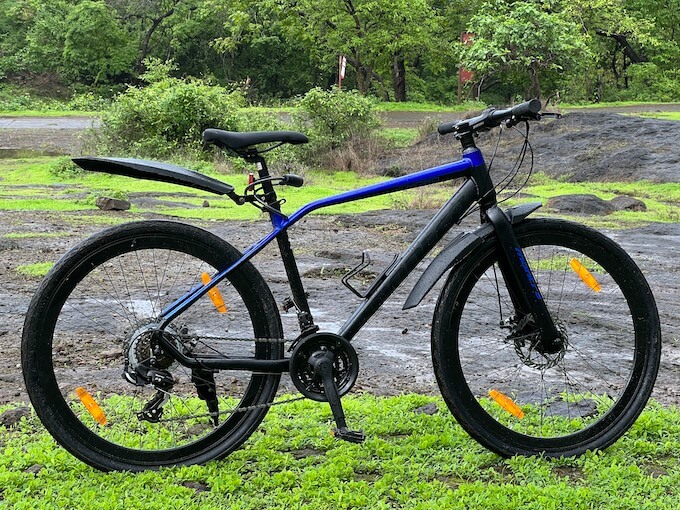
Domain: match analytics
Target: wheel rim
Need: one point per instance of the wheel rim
(95, 328)
(547, 402)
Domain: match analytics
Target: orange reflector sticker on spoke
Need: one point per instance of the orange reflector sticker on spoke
(214, 294)
(585, 275)
(91, 406)
(506, 403)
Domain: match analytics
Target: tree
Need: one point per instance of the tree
(523, 39)
(378, 37)
(96, 47)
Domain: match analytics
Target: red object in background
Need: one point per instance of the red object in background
(465, 75)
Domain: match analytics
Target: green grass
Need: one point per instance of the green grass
(31, 235)
(410, 106)
(410, 461)
(48, 113)
(661, 115)
(400, 137)
(610, 104)
(37, 270)
(662, 200)
(27, 184)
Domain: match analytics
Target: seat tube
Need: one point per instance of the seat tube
(304, 314)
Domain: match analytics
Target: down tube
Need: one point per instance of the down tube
(436, 228)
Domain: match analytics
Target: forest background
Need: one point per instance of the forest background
(397, 50)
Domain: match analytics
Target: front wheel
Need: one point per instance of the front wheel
(514, 399)
(98, 384)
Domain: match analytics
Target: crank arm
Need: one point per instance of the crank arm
(323, 367)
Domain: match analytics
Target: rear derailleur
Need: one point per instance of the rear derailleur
(324, 367)
(146, 363)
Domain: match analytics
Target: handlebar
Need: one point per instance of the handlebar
(491, 118)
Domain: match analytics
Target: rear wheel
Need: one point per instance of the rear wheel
(515, 400)
(87, 355)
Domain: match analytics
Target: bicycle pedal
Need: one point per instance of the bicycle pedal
(351, 436)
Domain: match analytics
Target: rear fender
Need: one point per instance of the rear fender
(456, 251)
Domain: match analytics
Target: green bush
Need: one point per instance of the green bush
(167, 116)
(334, 118)
(64, 167)
(14, 98)
(649, 83)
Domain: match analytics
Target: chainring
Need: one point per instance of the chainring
(345, 365)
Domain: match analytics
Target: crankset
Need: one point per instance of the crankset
(324, 367)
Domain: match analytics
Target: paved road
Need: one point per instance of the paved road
(47, 122)
(392, 119)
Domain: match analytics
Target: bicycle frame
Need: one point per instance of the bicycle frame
(477, 186)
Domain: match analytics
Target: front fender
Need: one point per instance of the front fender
(457, 250)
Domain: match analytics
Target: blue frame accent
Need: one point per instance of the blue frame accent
(280, 222)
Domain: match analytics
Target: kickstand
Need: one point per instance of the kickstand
(323, 366)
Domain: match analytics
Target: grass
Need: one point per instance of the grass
(410, 460)
(409, 106)
(662, 200)
(610, 104)
(48, 113)
(37, 270)
(27, 184)
(32, 235)
(661, 115)
(400, 137)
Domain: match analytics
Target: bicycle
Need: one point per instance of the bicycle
(188, 344)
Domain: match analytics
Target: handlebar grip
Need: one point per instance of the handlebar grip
(292, 180)
(447, 127)
(529, 108)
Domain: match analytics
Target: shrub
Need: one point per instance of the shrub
(64, 167)
(334, 119)
(167, 116)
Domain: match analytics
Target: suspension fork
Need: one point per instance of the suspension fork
(524, 292)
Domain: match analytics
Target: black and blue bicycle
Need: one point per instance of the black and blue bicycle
(545, 337)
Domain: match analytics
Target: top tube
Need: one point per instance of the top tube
(440, 173)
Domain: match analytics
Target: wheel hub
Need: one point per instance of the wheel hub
(140, 355)
(526, 337)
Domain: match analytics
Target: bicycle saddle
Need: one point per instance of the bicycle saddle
(239, 141)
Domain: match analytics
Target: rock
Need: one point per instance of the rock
(112, 204)
(12, 417)
(206, 203)
(35, 469)
(626, 203)
(583, 204)
(428, 409)
(197, 486)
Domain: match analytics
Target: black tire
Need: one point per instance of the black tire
(580, 399)
(87, 319)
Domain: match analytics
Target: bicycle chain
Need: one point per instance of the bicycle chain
(235, 410)
(238, 409)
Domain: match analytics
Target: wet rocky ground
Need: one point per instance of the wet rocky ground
(394, 348)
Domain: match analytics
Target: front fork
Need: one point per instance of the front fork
(524, 292)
